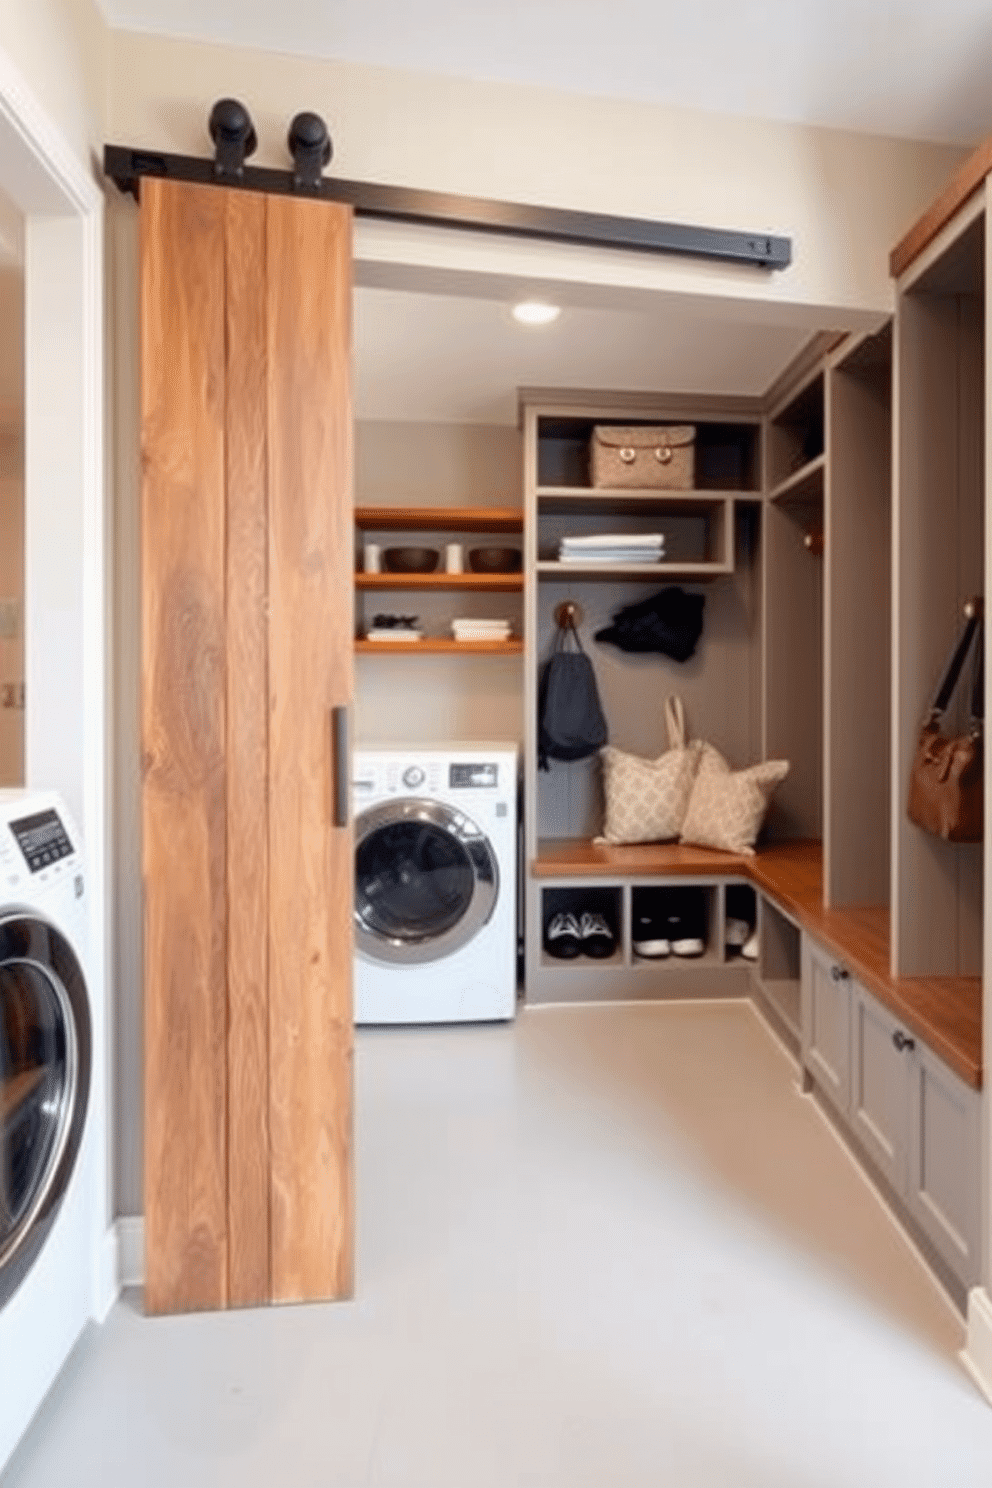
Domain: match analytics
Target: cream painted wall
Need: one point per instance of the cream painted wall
(61, 48)
(12, 518)
(844, 198)
(11, 589)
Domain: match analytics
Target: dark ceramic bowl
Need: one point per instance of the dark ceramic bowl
(494, 560)
(411, 560)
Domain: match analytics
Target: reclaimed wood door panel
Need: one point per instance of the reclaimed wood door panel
(247, 750)
(247, 647)
(184, 760)
(310, 669)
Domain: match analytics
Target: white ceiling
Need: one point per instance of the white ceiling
(918, 68)
(460, 360)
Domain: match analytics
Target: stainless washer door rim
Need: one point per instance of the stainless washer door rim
(30, 942)
(412, 948)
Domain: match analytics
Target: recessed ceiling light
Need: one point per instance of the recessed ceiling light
(534, 313)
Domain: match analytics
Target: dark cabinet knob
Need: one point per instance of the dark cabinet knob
(839, 974)
(903, 1040)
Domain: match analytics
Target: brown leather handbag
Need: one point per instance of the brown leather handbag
(946, 783)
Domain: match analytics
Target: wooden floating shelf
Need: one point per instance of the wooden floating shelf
(805, 484)
(503, 583)
(437, 646)
(439, 518)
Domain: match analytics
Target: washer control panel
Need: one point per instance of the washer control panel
(473, 777)
(379, 776)
(42, 838)
(37, 848)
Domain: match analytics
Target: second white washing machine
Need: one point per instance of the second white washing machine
(51, 1137)
(436, 883)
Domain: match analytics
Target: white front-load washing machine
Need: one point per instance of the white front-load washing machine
(435, 883)
(48, 1156)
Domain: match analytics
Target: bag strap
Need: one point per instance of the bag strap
(675, 722)
(566, 628)
(945, 691)
(978, 684)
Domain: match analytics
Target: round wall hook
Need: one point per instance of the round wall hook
(568, 613)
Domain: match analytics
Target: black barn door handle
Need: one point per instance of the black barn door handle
(340, 765)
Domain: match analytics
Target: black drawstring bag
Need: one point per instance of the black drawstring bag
(570, 722)
(670, 621)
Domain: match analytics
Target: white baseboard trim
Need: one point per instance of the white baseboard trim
(108, 1287)
(977, 1355)
(130, 1232)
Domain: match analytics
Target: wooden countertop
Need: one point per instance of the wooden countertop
(944, 1012)
(579, 857)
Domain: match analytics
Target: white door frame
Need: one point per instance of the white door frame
(66, 600)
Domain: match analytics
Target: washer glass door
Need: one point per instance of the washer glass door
(44, 1079)
(425, 881)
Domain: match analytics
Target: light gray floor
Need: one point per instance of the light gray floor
(610, 1247)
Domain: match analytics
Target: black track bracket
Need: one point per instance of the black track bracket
(479, 214)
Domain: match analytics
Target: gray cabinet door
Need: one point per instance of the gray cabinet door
(881, 1063)
(826, 1024)
(943, 1179)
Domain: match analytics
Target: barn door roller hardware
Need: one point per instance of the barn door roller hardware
(310, 147)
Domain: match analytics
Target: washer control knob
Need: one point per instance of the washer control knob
(413, 776)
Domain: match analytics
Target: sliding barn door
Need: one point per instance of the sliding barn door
(247, 660)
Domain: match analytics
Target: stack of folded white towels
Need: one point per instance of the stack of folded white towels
(481, 630)
(609, 547)
(378, 633)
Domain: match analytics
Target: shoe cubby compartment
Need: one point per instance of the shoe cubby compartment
(674, 925)
(779, 965)
(602, 906)
(740, 921)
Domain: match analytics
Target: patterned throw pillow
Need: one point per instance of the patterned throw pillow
(727, 807)
(646, 799)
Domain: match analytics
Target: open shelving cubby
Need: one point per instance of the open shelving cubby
(779, 966)
(698, 530)
(444, 524)
(858, 624)
(941, 491)
(796, 439)
(793, 644)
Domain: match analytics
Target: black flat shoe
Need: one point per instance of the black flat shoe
(598, 939)
(563, 937)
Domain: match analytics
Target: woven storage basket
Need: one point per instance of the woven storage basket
(647, 457)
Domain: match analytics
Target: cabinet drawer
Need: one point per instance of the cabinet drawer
(826, 1024)
(943, 1179)
(880, 1083)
